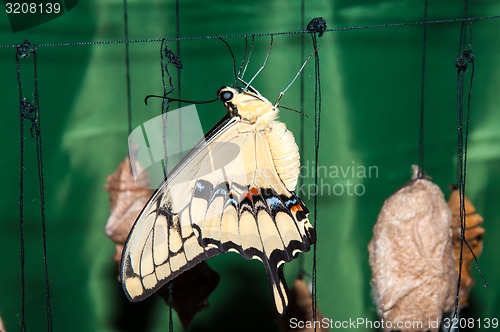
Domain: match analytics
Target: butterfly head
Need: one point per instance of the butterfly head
(249, 105)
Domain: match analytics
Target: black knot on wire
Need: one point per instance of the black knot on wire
(29, 112)
(463, 60)
(173, 58)
(25, 49)
(317, 24)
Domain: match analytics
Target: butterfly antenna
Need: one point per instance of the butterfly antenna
(263, 65)
(293, 110)
(168, 99)
(282, 93)
(248, 59)
(236, 78)
(243, 59)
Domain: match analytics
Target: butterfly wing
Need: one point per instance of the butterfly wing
(225, 196)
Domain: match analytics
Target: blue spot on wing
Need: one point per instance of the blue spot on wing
(274, 203)
(203, 189)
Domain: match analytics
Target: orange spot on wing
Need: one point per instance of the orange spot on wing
(252, 192)
(295, 208)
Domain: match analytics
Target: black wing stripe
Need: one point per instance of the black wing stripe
(280, 204)
(146, 266)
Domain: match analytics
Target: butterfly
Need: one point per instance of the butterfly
(233, 192)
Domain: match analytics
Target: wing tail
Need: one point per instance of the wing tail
(279, 287)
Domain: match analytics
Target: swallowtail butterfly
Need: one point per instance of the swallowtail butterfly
(234, 191)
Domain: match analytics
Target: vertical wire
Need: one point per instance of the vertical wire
(21, 195)
(170, 306)
(461, 157)
(164, 108)
(463, 60)
(165, 103)
(302, 108)
(459, 110)
(317, 127)
(178, 46)
(420, 174)
(38, 137)
(165, 52)
(31, 112)
(127, 67)
(469, 94)
(461, 65)
(302, 58)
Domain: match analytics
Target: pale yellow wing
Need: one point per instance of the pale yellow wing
(225, 196)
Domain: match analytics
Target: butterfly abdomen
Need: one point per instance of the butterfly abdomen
(285, 154)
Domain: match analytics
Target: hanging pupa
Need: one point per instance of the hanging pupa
(2, 327)
(300, 310)
(474, 237)
(127, 197)
(411, 258)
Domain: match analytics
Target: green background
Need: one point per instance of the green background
(371, 101)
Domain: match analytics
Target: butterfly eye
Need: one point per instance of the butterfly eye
(226, 95)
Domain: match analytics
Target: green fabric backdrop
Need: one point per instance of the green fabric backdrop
(371, 100)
